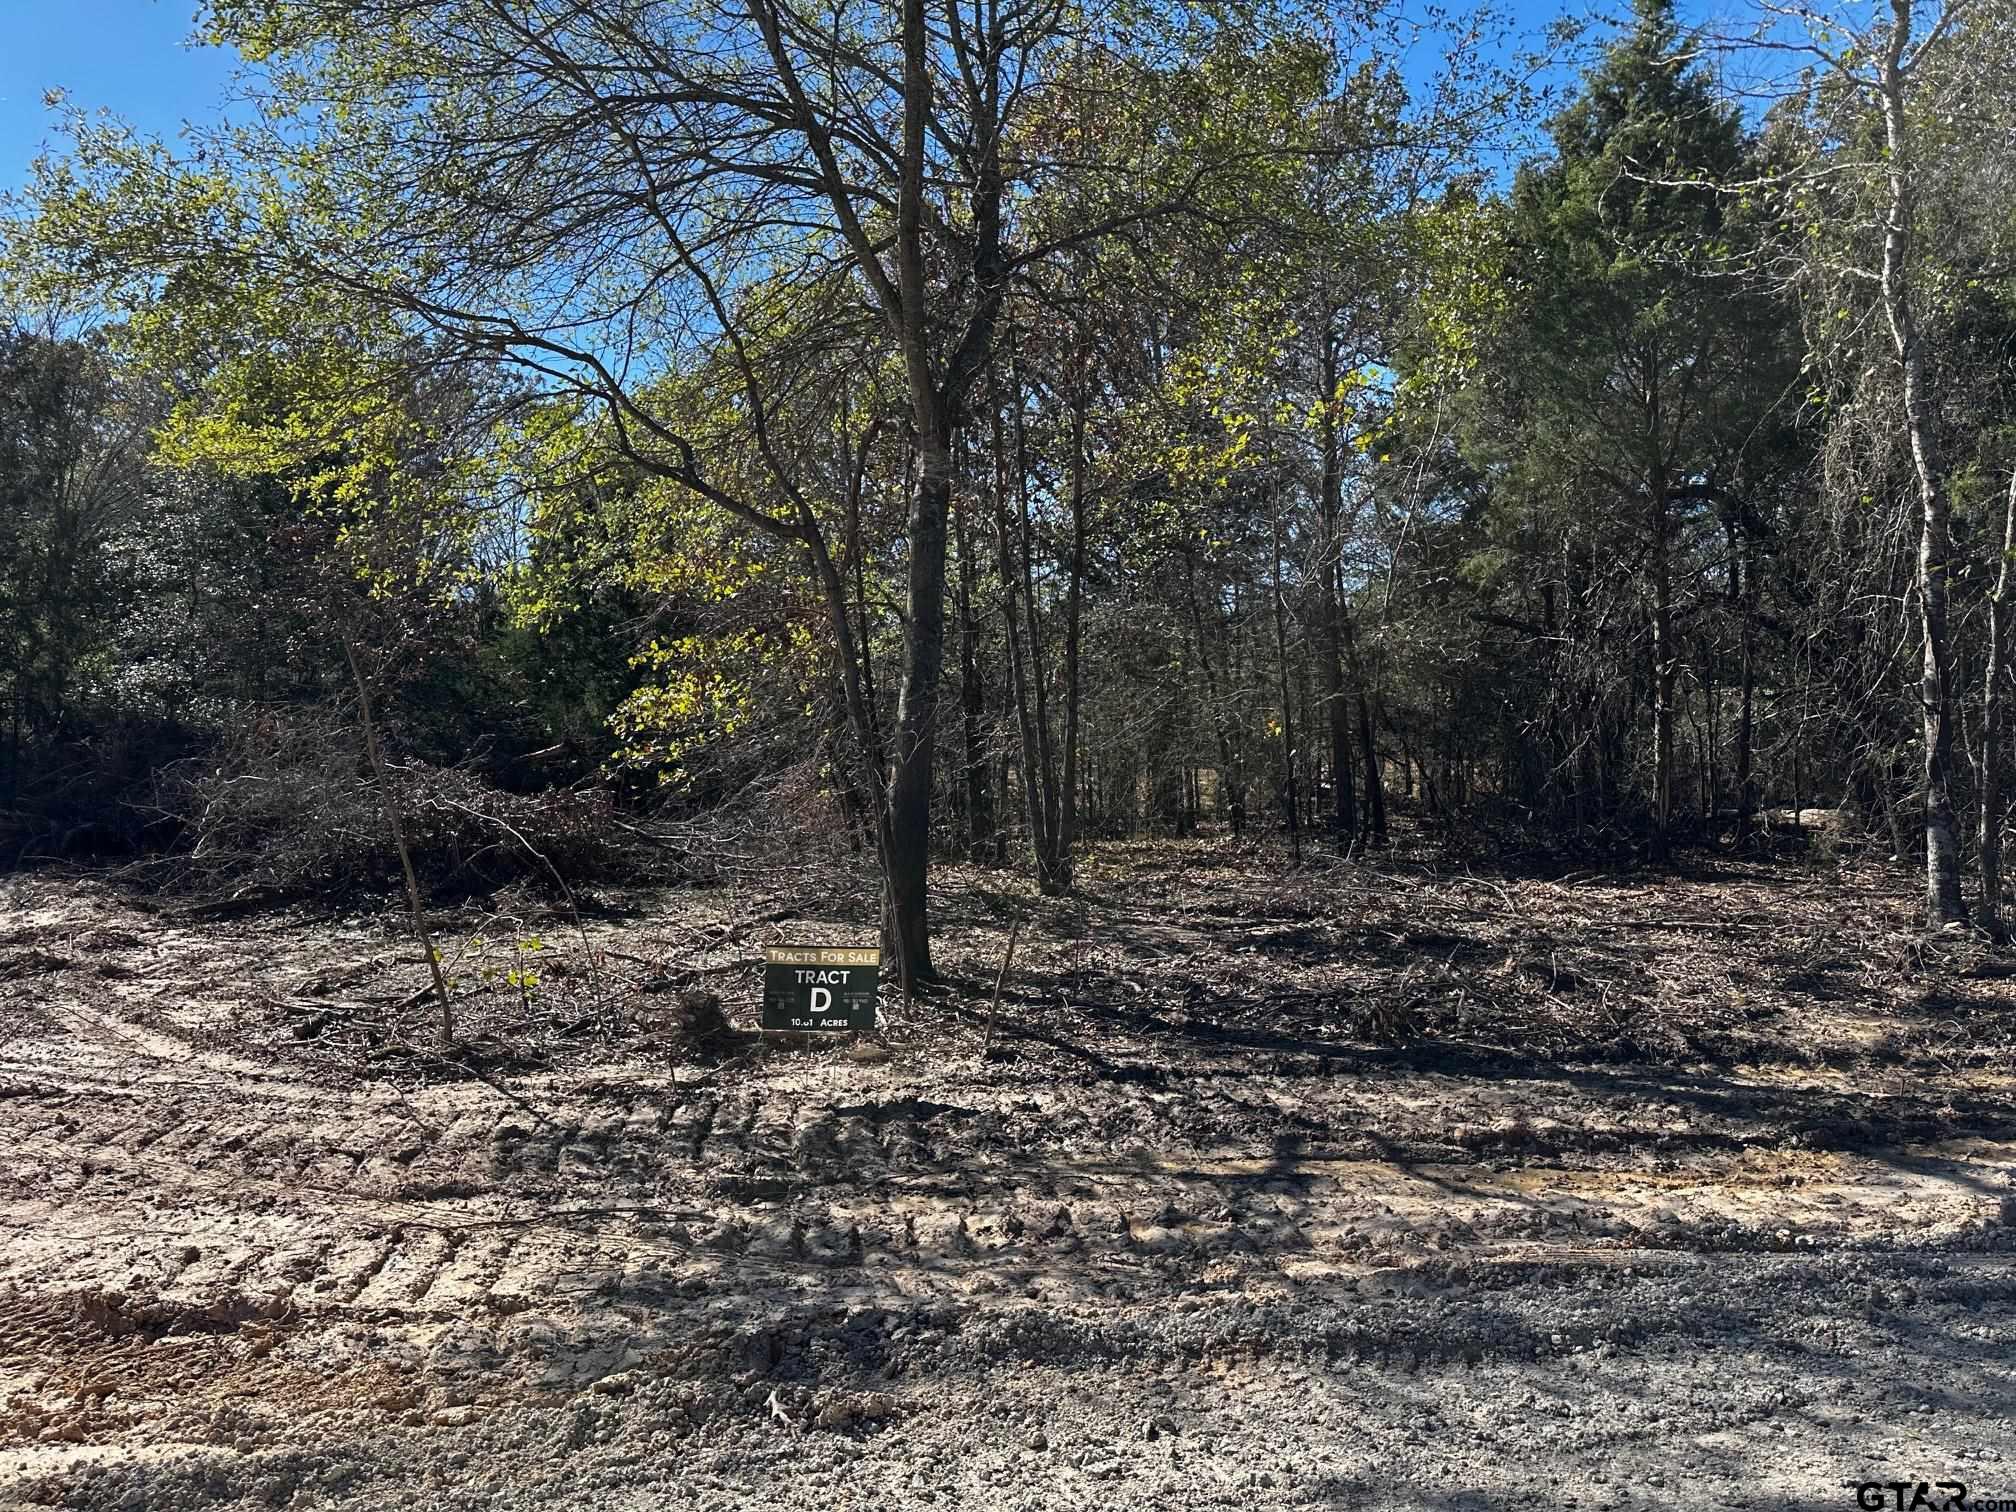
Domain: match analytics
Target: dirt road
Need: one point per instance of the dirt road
(1436, 1195)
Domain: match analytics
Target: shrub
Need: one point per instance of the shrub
(288, 804)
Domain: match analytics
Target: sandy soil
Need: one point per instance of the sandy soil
(1347, 1188)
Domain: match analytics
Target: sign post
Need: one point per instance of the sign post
(808, 987)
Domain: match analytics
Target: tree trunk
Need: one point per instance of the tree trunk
(909, 854)
(1047, 796)
(1344, 809)
(1373, 819)
(1043, 796)
(1993, 735)
(14, 744)
(972, 709)
(1665, 665)
(938, 390)
(1231, 779)
(1074, 610)
(389, 801)
(1943, 904)
(1288, 805)
(857, 689)
(1746, 791)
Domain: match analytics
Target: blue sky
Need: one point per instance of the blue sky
(122, 55)
(130, 57)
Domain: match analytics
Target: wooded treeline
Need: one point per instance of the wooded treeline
(976, 428)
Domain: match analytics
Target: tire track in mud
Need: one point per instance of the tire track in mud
(783, 1191)
(752, 1133)
(250, 1239)
(536, 1232)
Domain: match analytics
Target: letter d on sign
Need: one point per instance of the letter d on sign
(822, 999)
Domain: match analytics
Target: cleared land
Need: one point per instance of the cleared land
(1381, 1188)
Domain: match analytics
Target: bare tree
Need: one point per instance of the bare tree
(1893, 65)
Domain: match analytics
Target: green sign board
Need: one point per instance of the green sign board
(819, 987)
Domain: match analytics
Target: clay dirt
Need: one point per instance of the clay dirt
(1382, 1185)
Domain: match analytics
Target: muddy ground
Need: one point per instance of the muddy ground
(1384, 1186)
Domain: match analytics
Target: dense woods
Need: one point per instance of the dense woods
(937, 430)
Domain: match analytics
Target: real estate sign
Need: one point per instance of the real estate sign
(819, 987)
